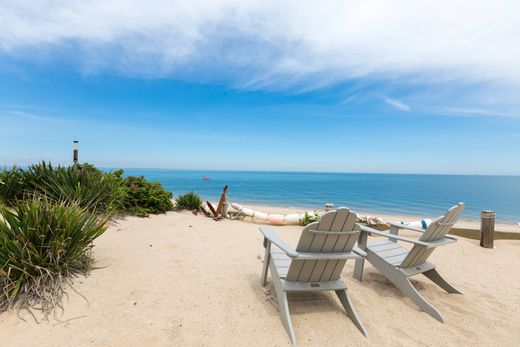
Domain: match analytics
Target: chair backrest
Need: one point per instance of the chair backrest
(335, 232)
(436, 231)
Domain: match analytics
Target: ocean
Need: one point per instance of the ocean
(406, 194)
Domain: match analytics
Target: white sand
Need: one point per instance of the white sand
(185, 280)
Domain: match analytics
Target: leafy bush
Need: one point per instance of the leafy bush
(11, 186)
(42, 244)
(143, 198)
(86, 186)
(188, 201)
(82, 184)
(309, 218)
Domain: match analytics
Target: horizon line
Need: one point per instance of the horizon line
(274, 171)
(306, 171)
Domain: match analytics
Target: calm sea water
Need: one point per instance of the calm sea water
(421, 195)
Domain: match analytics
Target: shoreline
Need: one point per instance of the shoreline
(462, 223)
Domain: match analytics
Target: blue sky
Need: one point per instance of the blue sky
(216, 85)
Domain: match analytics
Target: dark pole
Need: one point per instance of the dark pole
(75, 153)
(487, 228)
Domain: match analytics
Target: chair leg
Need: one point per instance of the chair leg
(358, 269)
(351, 312)
(360, 263)
(283, 307)
(267, 259)
(436, 278)
(409, 290)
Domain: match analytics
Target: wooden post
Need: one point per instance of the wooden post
(75, 152)
(487, 228)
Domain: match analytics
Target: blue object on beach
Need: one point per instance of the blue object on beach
(416, 224)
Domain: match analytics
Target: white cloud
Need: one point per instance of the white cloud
(32, 116)
(398, 104)
(470, 111)
(275, 44)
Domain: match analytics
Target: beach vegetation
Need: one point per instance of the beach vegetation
(43, 245)
(82, 184)
(188, 201)
(49, 217)
(309, 218)
(11, 185)
(143, 197)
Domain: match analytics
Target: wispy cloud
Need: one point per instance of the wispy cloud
(344, 39)
(269, 44)
(32, 116)
(398, 104)
(460, 111)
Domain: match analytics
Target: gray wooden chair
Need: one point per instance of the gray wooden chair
(315, 264)
(398, 263)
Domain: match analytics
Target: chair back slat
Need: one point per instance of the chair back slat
(442, 225)
(336, 232)
(436, 231)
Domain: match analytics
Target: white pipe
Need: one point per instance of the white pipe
(272, 218)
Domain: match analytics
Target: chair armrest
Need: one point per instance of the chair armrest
(445, 241)
(328, 256)
(359, 251)
(403, 226)
(394, 237)
(430, 244)
(270, 235)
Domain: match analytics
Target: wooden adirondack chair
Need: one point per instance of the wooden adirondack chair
(398, 263)
(315, 264)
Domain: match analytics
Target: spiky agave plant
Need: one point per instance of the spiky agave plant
(11, 185)
(81, 184)
(43, 244)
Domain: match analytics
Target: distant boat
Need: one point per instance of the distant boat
(205, 178)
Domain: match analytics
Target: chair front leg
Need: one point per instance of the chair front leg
(436, 278)
(351, 312)
(267, 259)
(394, 230)
(360, 263)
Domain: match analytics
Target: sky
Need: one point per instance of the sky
(341, 86)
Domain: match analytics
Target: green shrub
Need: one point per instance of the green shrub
(82, 184)
(11, 186)
(42, 244)
(309, 218)
(86, 186)
(188, 201)
(143, 197)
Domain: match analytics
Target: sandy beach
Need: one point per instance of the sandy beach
(183, 280)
